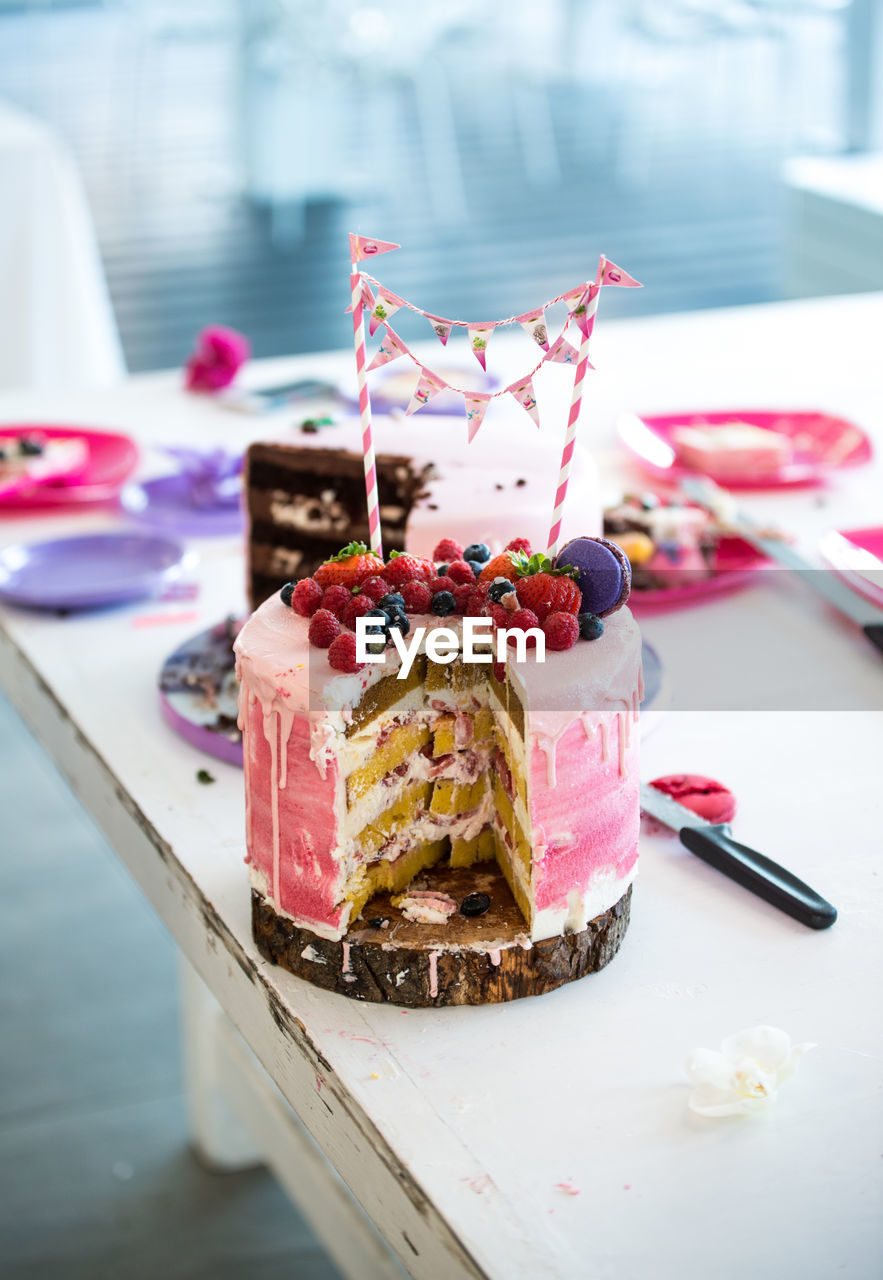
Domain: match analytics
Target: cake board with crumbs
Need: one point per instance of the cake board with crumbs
(484, 959)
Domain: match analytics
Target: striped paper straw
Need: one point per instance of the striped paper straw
(576, 401)
(365, 414)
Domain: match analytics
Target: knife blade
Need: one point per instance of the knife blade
(713, 843)
(720, 503)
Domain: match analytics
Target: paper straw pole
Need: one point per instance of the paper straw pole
(365, 415)
(576, 400)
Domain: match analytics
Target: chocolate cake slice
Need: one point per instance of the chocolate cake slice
(304, 503)
(305, 490)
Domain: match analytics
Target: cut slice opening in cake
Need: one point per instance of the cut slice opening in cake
(421, 779)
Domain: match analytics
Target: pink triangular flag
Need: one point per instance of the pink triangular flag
(573, 296)
(441, 327)
(387, 305)
(365, 247)
(610, 273)
(479, 337)
(563, 352)
(522, 391)
(429, 385)
(476, 404)
(390, 348)
(586, 309)
(366, 295)
(534, 324)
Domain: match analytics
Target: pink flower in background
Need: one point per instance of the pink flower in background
(219, 355)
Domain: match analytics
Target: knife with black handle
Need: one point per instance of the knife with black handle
(714, 844)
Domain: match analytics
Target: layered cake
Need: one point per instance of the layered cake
(305, 491)
(449, 820)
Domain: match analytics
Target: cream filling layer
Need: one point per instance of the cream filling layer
(386, 793)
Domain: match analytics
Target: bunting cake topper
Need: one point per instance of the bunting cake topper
(371, 297)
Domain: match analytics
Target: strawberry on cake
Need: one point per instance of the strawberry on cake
(434, 814)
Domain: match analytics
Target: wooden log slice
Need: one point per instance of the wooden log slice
(482, 959)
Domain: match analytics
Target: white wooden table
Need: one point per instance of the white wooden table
(549, 1137)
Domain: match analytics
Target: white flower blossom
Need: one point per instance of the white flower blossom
(745, 1074)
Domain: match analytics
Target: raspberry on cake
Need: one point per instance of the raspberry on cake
(375, 587)
(404, 568)
(357, 608)
(306, 597)
(418, 595)
(342, 654)
(447, 550)
(523, 620)
(358, 781)
(561, 630)
(324, 628)
(335, 600)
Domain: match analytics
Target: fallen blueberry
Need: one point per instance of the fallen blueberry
(475, 904)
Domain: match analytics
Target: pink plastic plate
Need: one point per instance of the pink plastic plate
(820, 443)
(856, 556)
(112, 459)
(735, 564)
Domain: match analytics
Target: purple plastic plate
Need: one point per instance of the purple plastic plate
(89, 571)
(167, 503)
(198, 692)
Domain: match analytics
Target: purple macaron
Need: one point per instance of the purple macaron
(604, 575)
